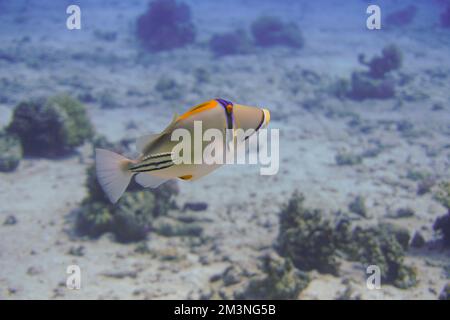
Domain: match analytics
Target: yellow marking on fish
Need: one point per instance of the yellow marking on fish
(187, 177)
(200, 108)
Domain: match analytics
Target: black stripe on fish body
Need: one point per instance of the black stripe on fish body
(152, 160)
(143, 165)
(154, 169)
(259, 125)
(157, 155)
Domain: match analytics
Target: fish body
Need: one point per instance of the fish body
(156, 164)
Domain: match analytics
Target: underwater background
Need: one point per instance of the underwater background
(364, 120)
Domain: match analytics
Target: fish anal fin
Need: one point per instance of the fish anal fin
(149, 181)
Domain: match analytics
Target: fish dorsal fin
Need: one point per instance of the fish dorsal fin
(144, 141)
(201, 105)
(172, 123)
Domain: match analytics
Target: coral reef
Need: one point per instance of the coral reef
(166, 25)
(418, 241)
(312, 242)
(170, 227)
(445, 294)
(133, 215)
(279, 280)
(230, 43)
(443, 195)
(131, 218)
(10, 152)
(94, 219)
(270, 31)
(358, 206)
(442, 226)
(442, 223)
(375, 84)
(195, 206)
(402, 17)
(385, 247)
(306, 238)
(391, 59)
(363, 86)
(52, 127)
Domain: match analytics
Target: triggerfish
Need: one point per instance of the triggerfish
(156, 163)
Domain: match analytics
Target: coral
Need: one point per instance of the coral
(358, 206)
(166, 25)
(374, 84)
(10, 221)
(442, 226)
(417, 175)
(173, 228)
(133, 215)
(402, 17)
(418, 241)
(347, 159)
(363, 86)
(131, 218)
(10, 152)
(391, 59)
(401, 234)
(425, 185)
(279, 280)
(445, 294)
(442, 223)
(383, 246)
(443, 195)
(230, 43)
(195, 206)
(94, 219)
(312, 242)
(271, 31)
(306, 238)
(51, 127)
(164, 195)
(404, 213)
(445, 17)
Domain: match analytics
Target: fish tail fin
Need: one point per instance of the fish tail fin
(112, 173)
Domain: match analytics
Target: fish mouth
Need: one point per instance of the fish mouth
(266, 118)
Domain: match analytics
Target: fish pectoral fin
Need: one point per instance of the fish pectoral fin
(144, 141)
(148, 181)
(186, 177)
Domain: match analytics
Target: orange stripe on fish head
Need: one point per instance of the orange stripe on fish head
(199, 108)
